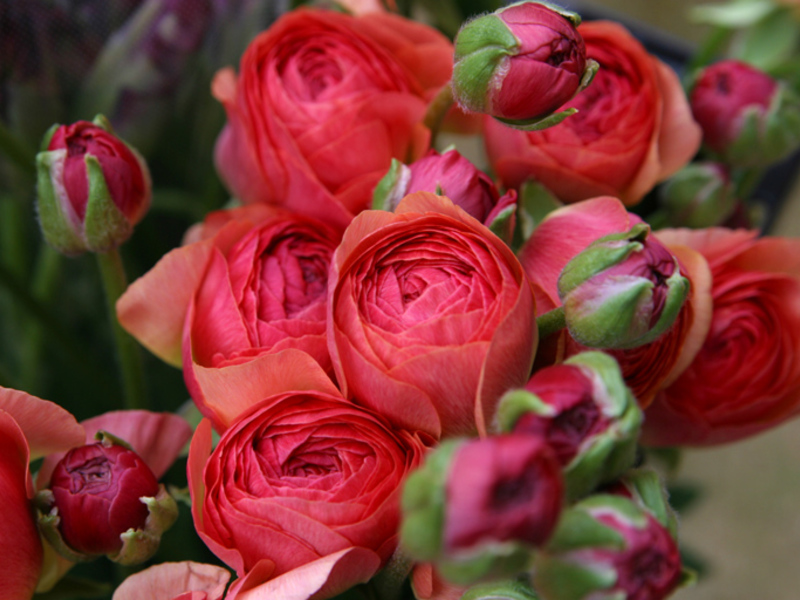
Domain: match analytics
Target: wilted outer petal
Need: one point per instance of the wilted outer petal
(168, 581)
(20, 545)
(47, 427)
(323, 578)
(157, 438)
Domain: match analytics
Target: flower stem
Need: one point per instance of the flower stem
(437, 110)
(115, 282)
(551, 322)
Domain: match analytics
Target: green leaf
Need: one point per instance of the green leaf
(743, 13)
(769, 42)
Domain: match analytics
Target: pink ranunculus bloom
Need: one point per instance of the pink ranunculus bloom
(634, 128)
(746, 376)
(303, 488)
(722, 94)
(322, 103)
(29, 428)
(175, 581)
(252, 283)
(431, 318)
(569, 230)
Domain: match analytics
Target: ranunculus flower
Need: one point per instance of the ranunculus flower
(451, 175)
(748, 118)
(431, 317)
(519, 63)
(97, 489)
(29, 428)
(633, 128)
(746, 376)
(569, 230)
(608, 547)
(92, 188)
(478, 507)
(322, 104)
(300, 482)
(175, 581)
(254, 282)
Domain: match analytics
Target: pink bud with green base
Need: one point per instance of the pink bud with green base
(92, 188)
(585, 412)
(520, 64)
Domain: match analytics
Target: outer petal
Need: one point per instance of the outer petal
(20, 545)
(317, 580)
(153, 308)
(427, 585)
(167, 581)
(47, 427)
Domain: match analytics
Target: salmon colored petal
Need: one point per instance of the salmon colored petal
(771, 255)
(716, 244)
(227, 392)
(170, 580)
(47, 427)
(318, 580)
(427, 585)
(20, 545)
(699, 274)
(153, 308)
(157, 437)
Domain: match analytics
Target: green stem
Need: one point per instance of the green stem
(18, 152)
(388, 583)
(115, 282)
(551, 322)
(437, 110)
(45, 285)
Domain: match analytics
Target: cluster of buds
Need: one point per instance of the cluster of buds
(103, 499)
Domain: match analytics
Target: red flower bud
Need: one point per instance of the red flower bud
(502, 488)
(93, 188)
(576, 416)
(519, 63)
(721, 95)
(97, 488)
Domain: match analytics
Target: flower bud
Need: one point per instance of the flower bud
(585, 412)
(92, 188)
(478, 507)
(451, 175)
(521, 63)
(622, 291)
(608, 547)
(104, 499)
(699, 195)
(747, 117)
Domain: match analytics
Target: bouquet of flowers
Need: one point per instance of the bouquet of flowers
(413, 370)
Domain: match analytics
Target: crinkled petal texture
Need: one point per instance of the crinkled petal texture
(322, 104)
(746, 376)
(568, 231)
(431, 317)
(303, 477)
(20, 545)
(173, 581)
(634, 128)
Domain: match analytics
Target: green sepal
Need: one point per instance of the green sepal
(689, 578)
(391, 188)
(564, 580)
(697, 196)
(491, 561)
(53, 220)
(104, 225)
(511, 589)
(649, 492)
(577, 529)
(600, 255)
(480, 47)
(138, 545)
(48, 521)
(103, 123)
(109, 439)
(501, 224)
(47, 138)
(516, 403)
(538, 123)
(423, 504)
